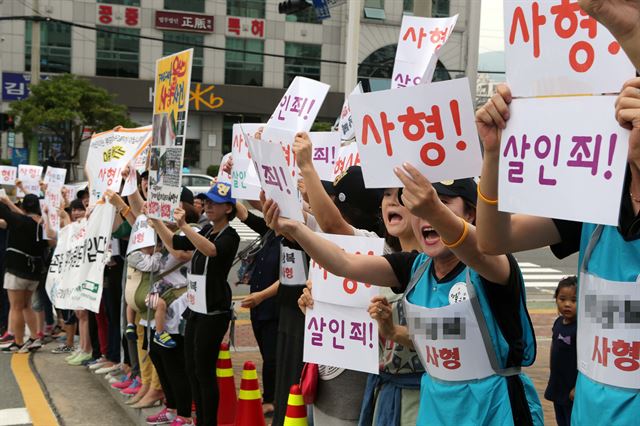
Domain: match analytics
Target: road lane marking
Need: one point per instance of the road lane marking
(34, 399)
(14, 416)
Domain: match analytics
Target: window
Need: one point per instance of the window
(123, 2)
(227, 128)
(294, 65)
(407, 6)
(244, 68)
(374, 9)
(185, 5)
(186, 41)
(192, 154)
(307, 16)
(200, 181)
(55, 47)
(186, 180)
(440, 8)
(117, 54)
(248, 8)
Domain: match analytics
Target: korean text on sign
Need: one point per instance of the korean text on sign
(326, 146)
(8, 175)
(30, 177)
(245, 27)
(345, 121)
(552, 47)
(430, 126)
(298, 108)
(347, 156)
(244, 178)
(568, 168)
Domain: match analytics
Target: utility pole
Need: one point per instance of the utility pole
(473, 41)
(35, 73)
(352, 46)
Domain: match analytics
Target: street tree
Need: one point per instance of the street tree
(66, 106)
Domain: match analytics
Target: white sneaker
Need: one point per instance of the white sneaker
(107, 369)
(34, 345)
(99, 364)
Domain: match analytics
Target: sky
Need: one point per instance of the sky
(491, 26)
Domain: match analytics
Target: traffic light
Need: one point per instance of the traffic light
(293, 6)
(6, 122)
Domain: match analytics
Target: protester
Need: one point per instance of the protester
(198, 203)
(215, 247)
(563, 360)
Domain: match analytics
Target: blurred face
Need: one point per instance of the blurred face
(397, 219)
(197, 203)
(566, 302)
(85, 201)
(77, 214)
(428, 238)
(217, 212)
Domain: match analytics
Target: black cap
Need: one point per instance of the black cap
(349, 189)
(464, 188)
(186, 196)
(328, 187)
(31, 204)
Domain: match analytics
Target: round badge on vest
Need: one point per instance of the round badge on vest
(458, 293)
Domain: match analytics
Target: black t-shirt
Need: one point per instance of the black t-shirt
(26, 236)
(218, 290)
(563, 362)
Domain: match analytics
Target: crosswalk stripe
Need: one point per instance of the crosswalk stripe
(245, 233)
(14, 416)
(536, 276)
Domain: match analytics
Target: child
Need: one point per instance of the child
(563, 361)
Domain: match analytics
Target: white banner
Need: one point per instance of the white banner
(74, 279)
(142, 235)
(553, 48)
(567, 163)
(55, 176)
(8, 175)
(245, 181)
(30, 177)
(326, 146)
(345, 121)
(109, 152)
(298, 108)
(431, 126)
(418, 49)
(222, 176)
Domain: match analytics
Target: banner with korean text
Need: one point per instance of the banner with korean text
(431, 126)
(245, 181)
(347, 156)
(326, 146)
(8, 175)
(345, 121)
(298, 108)
(30, 178)
(74, 278)
(555, 166)
(338, 329)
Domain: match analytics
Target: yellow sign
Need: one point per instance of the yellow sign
(173, 79)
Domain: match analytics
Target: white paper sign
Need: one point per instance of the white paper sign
(431, 126)
(330, 288)
(555, 166)
(142, 235)
(53, 200)
(3, 193)
(326, 146)
(298, 108)
(55, 176)
(75, 282)
(347, 156)
(8, 175)
(30, 177)
(108, 154)
(341, 336)
(245, 182)
(141, 160)
(275, 177)
(553, 48)
(131, 182)
(285, 138)
(418, 49)
(165, 181)
(222, 176)
(345, 121)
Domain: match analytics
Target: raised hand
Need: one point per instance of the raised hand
(492, 118)
(419, 196)
(302, 147)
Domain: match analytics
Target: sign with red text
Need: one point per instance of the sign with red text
(142, 235)
(418, 49)
(165, 181)
(561, 168)
(298, 108)
(222, 175)
(55, 176)
(237, 26)
(341, 336)
(109, 152)
(30, 178)
(345, 121)
(8, 175)
(53, 200)
(114, 15)
(245, 184)
(431, 126)
(184, 21)
(330, 288)
(285, 138)
(552, 47)
(275, 177)
(347, 156)
(326, 146)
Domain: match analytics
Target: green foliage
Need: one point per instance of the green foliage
(5, 161)
(212, 170)
(321, 126)
(66, 105)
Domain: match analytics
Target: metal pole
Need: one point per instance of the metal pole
(352, 46)
(473, 41)
(35, 73)
(422, 8)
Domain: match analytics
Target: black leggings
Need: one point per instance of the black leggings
(266, 333)
(169, 364)
(202, 339)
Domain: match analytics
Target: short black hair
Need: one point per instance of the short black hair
(570, 281)
(77, 204)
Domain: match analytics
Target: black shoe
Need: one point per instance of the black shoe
(12, 348)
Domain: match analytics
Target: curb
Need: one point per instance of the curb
(44, 388)
(136, 415)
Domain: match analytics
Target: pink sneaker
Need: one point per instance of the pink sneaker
(124, 383)
(164, 417)
(180, 421)
(133, 388)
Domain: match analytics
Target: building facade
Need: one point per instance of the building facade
(246, 54)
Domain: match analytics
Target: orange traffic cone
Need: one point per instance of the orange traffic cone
(250, 401)
(296, 410)
(226, 387)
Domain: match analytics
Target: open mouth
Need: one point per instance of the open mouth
(394, 218)
(429, 235)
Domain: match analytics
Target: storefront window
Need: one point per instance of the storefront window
(407, 6)
(117, 54)
(185, 5)
(186, 41)
(248, 8)
(192, 154)
(294, 65)
(440, 8)
(227, 128)
(374, 9)
(307, 16)
(55, 47)
(244, 68)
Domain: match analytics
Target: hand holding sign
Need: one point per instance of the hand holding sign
(492, 118)
(302, 149)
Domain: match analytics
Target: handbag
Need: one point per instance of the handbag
(309, 382)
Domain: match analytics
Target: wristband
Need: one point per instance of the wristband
(463, 237)
(485, 199)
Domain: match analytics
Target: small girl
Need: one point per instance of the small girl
(563, 360)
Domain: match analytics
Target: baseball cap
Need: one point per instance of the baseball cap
(328, 186)
(221, 193)
(186, 196)
(349, 188)
(464, 188)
